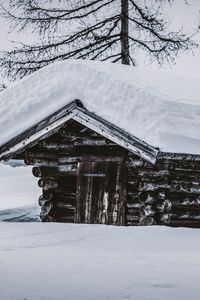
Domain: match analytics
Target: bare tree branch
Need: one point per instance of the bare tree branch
(112, 30)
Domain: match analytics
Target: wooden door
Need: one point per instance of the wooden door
(101, 193)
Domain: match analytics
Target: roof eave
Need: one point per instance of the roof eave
(77, 112)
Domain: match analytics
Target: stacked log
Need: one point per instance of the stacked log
(58, 184)
(55, 162)
(170, 191)
(165, 193)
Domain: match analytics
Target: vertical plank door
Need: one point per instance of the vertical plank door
(101, 193)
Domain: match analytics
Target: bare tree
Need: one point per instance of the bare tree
(96, 29)
(2, 87)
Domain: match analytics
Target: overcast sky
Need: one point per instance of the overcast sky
(180, 14)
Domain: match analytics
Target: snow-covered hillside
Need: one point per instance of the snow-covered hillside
(161, 108)
(18, 188)
(97, 262)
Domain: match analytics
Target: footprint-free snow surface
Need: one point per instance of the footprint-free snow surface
(160, 108)
(46, 261)
(20, 214)
(18, 192)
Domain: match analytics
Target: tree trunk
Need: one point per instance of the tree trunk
(124, 33)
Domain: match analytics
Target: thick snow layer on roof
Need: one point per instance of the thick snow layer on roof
(160, 108)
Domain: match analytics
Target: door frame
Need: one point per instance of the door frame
(121, 191)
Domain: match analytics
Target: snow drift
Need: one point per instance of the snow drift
(73, 262)
(18, 188)
(160, 108)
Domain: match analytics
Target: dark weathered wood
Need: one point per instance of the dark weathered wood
(147, 197)
(169, 174)
(44, 145)
(66, 193)
(64, 219)
(65, 205)
(69, 133)
(70, 168)
(98, 197)
(78, 142)
(163, 205)
(35, 152)
(42, 200)
(147, 211)
(115, 134)
(47, 195)
(116, 187)
(163, 218)
(132, 218)
(45, 172)
(168, 156)
(47, 218)
(184, 215)
(41, 162)
(181, 165)
(89, 158)
(135, 162)
(134, 205)
(54, 172)
(173, 187)
(46, 207)
(152, 194)
(40, 130)
(185, 223)
(184, 200)
(47, 183)
(132, 200)
(147, 221)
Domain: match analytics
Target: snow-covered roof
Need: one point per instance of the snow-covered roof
(160, 108)
(76, 111)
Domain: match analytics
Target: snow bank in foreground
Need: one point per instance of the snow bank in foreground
(161, 108)
(87, 262)
(20, 214)
(18, 187)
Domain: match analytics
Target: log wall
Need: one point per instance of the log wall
(55, 164)
(167, 193)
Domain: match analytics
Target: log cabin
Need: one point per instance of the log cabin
(91, 171)
(90, 165)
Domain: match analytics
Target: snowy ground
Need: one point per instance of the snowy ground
(90, 262)
(20, 214)
(41, 261)
(18, 187)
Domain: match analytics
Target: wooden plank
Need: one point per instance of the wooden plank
(94, 175)
(185, 223)
(112, 188)
(171, 174)
(98, 142)
(40, 162)
(115, 134)
(46, 183)
(147, 220)
(45, 172)
(173, 187)
(40, 130)
(122, 170)
(147, 211)
(88, 158)
(178, 156)
(101, 199)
